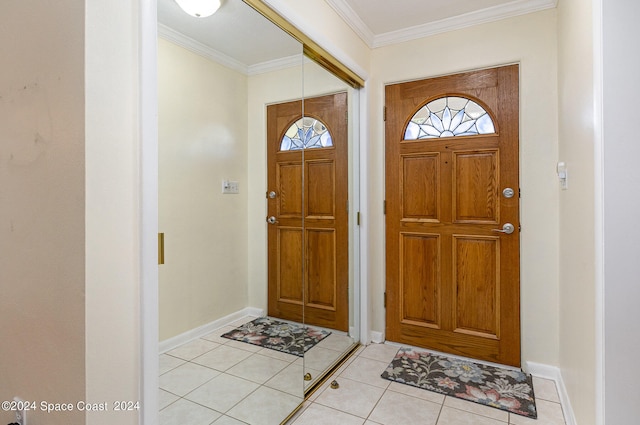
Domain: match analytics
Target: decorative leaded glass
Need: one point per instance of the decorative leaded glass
(306, 133)
(449, 117)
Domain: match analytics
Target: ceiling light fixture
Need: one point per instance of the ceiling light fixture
(199, 8)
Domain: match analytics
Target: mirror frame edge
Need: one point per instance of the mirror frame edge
(311, 49)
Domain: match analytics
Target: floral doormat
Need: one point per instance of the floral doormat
(506, 389)
(276, 335)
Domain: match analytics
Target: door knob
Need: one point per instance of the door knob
(272, 220)
(507, 228)
(272, 194)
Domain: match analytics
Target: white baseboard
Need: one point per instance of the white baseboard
(183, 338)
(551, 372)
(376, 337)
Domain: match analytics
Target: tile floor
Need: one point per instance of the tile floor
(214, 380)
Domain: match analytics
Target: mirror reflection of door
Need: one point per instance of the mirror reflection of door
(308, 234)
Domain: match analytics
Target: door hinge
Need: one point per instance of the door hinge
(346, 116)
(358, 218)
(384, 113)
(519, 227)
(384, 207)
(385, 300)
(519, 193)
(160, 248)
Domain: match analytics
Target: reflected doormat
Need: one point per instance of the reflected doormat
(280, 336)
(506, 389)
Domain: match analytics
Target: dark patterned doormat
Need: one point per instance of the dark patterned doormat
(505, 389)
(276, 335)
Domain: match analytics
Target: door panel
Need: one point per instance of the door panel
(311, 197)
(452, 281)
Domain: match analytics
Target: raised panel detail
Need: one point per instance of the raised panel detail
(477, 278)
(288, 179)
(321, 268)
(289, 275)
(420, 279)
(321, 189)
(420, 177)
(476, 187)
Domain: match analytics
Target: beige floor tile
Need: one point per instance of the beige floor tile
(166, 398)
(193, 349)
(317, 414)
(380, 352)
(186, 378)
(168, 363)
(278, 355)
(367, 371)
(416, 392)
(265, 406)
(222, 358)
(336, 342)
(395, 408)
(477, 409)
(451, 416)
(258, 368)
(549, 413)
(222, 392)
(351, 397)
(288, 380)
(545, 389)
(185, 412)
(215, 336)
(227, 420)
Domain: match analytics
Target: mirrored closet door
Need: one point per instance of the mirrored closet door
(257, 202)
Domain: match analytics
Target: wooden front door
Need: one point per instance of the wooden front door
(308, 235)
(452, 279)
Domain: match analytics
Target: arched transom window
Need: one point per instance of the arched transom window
(306, 133)
(449, 117)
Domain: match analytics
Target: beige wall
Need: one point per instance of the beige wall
(577, 256)
(202, 141)
(113, 205)
(42, 207)
(531, 41)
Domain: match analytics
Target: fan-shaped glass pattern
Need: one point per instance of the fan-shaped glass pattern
(306, 133)
(449, 117)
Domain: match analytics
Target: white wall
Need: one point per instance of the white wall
(202, 140)
(621, 210)
(113, 205)
(531, 41)
(577, 206)
(42, 264)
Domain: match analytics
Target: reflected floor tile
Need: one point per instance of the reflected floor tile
(168, 363)
(186, 378)
(265, 406)
(351, 397)
(258, 368)
(222, 392)
(222, 358)
(336, 342)
(395, 408)
(320, 415)
(289, 380)
(193, 349)
(451, 416)
(320, 358)
(184, 412)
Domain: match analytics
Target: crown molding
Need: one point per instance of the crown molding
(201, 49)
(207, 52)
(495, 13)
(346, 12)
